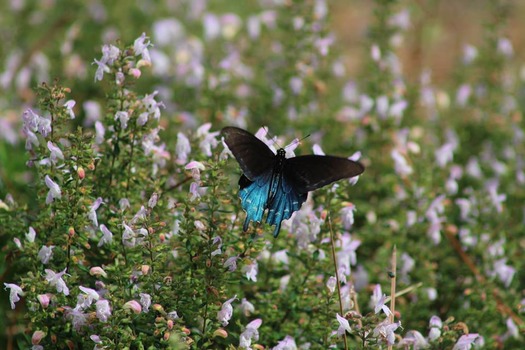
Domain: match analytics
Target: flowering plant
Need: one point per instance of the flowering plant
(129, 232)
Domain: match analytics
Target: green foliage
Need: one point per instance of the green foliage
(139, 241)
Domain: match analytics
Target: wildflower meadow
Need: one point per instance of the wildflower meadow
(121, 225)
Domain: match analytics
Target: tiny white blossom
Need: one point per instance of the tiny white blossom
(107, 236)
(250, 333)
(14, 293)
(251, 271)
(85, 300)
(145, 301)
(103, 310)
(344, 326)
(123, 117)
(55, 279)
(56, 153)
(69, 107)
(45, 254)
(30, 236)
(226, 312)
(54, 190)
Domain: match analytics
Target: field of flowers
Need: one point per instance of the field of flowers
(120, 219)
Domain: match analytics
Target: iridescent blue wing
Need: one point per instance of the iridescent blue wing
(308, 173)
(285, 202)
(254, 157)
(254, 196)
(254, 199)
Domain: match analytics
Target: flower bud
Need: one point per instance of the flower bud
(220, 332)
(37, 337)
(81, 173)
(44, 300)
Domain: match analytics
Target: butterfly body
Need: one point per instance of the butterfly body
(278, 184)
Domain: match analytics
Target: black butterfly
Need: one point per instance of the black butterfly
(279, 184)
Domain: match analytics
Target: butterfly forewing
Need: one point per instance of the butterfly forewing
(308, 173)
(253, 155)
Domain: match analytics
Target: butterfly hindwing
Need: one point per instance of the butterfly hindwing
(285, 202)
(253, 155)
(254, 196)
(308, 173)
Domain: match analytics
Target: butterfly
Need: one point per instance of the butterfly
(278, 184)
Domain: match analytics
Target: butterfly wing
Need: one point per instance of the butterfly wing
(254, 196)
(308, 173)
(254, 157)
(285, 202)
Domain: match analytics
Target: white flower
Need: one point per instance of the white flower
(92, 215)
(183, 148)
(45, 254)
(103, 310)
(54, 190)
(30, 236)
(123, 117)
(56, 153)
(55, 279)
(344, 326)
(226, 312)
(140, 46)
(251, 271)
(288, 343)
(249, 334)
(331, 284)
(85, 300)
(69, 107)
(107, 236)
(145, 300)
(385, 331)
(14, 294)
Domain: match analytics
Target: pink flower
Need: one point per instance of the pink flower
(97, 271)
(44, 300)
(134, 306)
(37, 337)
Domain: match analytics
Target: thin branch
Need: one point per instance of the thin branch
(332, 241)
(393, 288)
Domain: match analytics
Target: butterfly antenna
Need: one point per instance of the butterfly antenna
(297, 141)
